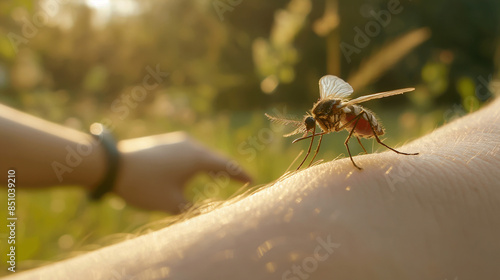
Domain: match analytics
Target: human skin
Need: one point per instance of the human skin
(152, 172)
(431, 216)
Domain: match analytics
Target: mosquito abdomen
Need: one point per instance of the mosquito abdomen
(366, 124)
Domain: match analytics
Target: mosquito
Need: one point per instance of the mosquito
(334, 112)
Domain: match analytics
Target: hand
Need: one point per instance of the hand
(155, 169)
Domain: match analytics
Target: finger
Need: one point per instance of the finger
(213, 162)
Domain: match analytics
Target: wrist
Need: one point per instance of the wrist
(112, 156)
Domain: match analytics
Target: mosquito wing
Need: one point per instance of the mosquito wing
(334, 87)
(300, 126)
(377, 95)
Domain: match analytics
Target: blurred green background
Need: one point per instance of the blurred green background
(228, 62)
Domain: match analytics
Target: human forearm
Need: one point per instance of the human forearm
(151, 174)
(47, 154)
(432, 216)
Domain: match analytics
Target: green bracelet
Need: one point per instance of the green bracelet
(106, 139)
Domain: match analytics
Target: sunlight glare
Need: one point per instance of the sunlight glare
(105, 9)
(98, 4)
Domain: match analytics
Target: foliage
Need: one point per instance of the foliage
(224, 71)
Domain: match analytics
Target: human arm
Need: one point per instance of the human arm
(47, 154)
(439, 220)
(151, 174)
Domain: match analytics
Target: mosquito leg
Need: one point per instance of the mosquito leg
(317, 149)
(346, 143)
(309, 150)
(325, 132)
(359, 141)
(309, 136)
(382, 143)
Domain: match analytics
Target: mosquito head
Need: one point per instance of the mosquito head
(309, 122)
